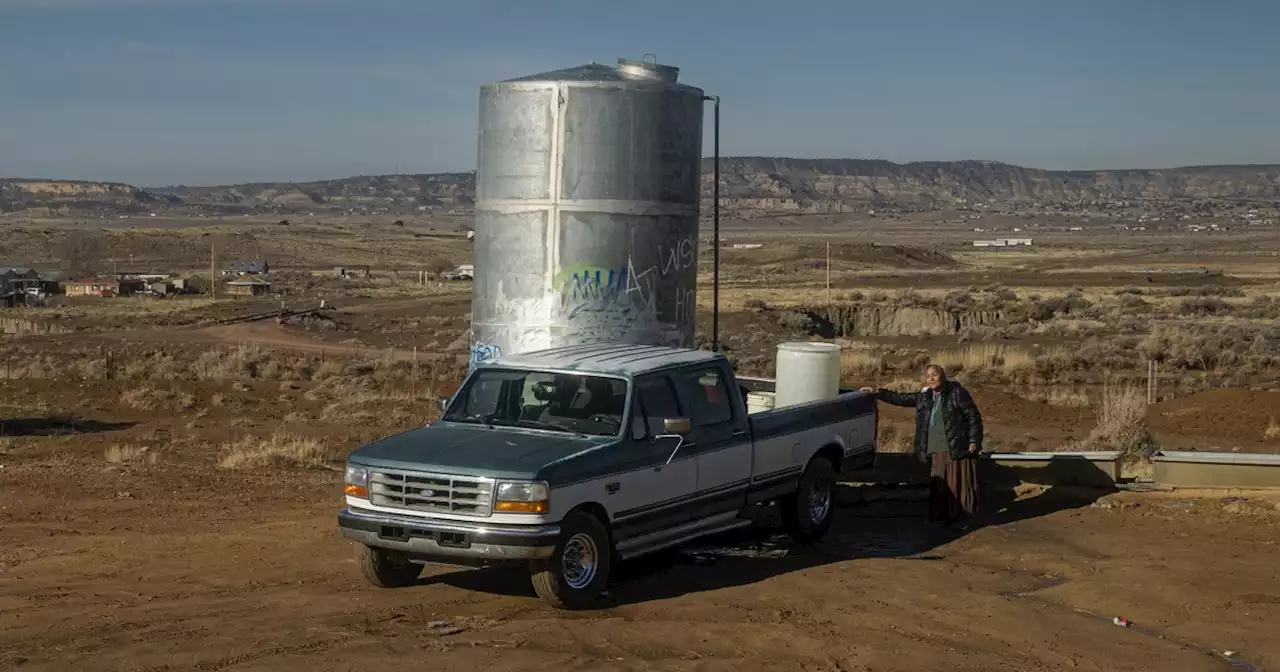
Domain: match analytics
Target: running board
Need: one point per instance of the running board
(656, 541)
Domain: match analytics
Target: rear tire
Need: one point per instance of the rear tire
(387, 569)
(578, 571)
(808, 513)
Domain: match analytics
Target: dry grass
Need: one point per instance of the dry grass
(1273, 431)
(983, 357)
(1061, 397)
(281, 449)
(1122, 422)
(129, 454)
(151, 399)
(238, 364)
(895, 439)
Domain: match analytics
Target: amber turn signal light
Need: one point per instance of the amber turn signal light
(355, 491)
(521, 507)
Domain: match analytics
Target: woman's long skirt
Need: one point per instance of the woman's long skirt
(953, 488)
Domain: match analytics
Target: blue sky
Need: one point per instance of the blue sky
(159, 92)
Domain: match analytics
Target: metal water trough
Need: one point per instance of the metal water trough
(1186, 469)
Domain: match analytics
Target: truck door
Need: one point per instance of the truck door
(654, 494)
(722, 443)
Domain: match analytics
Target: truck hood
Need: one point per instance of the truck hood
(474, 450)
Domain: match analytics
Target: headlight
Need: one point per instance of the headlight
(356, 481)
(521, 498)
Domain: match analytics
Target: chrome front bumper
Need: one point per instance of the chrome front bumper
(448, 541)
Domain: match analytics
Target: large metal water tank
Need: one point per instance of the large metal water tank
(587, 194)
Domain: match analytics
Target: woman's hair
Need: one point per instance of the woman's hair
(942, 373)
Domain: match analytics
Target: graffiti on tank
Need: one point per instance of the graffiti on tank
(641, 287)
(677, 257)
(590, 288)
(483, 352)
(686, 306)
(520, 308)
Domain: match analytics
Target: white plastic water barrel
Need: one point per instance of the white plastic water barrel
(759, 401)
(806, 372)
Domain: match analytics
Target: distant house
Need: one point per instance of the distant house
(249, 287)
(246, 268)
(345, 272)
(101, 287)
(1003, 242)
(18, 279)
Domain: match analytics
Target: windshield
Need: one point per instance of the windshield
(563, 402)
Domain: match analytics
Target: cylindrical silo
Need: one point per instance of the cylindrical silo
(587, 194)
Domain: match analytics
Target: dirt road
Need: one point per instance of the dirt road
(159, 567)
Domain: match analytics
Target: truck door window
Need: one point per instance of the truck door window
(655, 402)
(710, 396)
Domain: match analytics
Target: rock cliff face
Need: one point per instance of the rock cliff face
(70, 195)
(832, 185)
(749, 185)
(846, 321)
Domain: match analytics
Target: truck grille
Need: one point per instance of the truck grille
(432, 493)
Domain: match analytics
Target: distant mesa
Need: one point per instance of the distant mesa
(749, 186)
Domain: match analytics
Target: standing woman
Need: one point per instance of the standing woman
(949, 436)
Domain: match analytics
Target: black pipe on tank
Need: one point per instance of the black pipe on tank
(715, 218)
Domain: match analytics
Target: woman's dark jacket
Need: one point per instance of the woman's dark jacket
(963, 421)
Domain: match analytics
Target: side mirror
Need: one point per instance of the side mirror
(679, 426)
(674, 428)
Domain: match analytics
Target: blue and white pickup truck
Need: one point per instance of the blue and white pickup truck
(573, 458)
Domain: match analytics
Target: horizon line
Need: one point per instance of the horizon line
(704, 159)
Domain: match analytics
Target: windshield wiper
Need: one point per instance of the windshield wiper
(538, 424)
(486, 419)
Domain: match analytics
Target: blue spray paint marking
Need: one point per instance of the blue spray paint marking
(591, 288)
(482, 352)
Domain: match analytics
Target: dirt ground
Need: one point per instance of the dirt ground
(128, 543)
(165, 567)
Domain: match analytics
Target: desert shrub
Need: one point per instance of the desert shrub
(957, 300)
(1005, 294)
(756, 305)
(1203, 306)
(1097, 353)
(795, 320)
(1206, 291)
(1132, 302)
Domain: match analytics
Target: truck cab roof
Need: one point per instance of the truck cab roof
(610, 359)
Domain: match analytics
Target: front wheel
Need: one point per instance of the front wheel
(578, 571)
(808, 513)
(387, 569)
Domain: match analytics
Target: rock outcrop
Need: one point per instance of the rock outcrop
(749, 186)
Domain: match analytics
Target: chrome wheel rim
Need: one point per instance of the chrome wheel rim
(578, 561)
(819, 502)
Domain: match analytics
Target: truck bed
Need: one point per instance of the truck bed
(849, 419)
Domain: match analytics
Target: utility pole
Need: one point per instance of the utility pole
(828, 274)
(213, 272)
